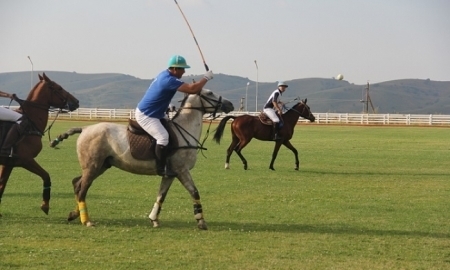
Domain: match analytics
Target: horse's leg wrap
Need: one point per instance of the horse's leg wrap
(154, 214)
(45, 206)
(84, 217)
(198, 211)
(46, 192)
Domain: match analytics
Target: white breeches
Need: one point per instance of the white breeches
(272, 115)
(153, 127)
(9, 115)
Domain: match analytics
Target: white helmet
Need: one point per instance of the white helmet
(281, 83)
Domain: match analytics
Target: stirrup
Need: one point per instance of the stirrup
(167, 172)
(9, 154)
(170, 173)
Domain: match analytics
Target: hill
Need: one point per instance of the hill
(110, 90)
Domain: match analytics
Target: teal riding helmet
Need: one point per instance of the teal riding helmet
(178, 61)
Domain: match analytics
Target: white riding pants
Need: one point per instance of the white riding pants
(9, 115)
(153, 127)
(272, 115)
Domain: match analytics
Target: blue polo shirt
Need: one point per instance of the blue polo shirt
(157, 98)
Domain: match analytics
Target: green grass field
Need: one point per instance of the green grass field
(364, 198)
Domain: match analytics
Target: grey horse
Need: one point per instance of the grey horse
(103, 145)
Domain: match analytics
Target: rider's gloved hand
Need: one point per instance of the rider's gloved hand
(208, 75)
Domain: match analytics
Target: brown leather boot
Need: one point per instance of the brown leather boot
(161, 160)
(14, 134)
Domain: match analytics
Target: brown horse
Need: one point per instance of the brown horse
(45, 94)
(246, 127)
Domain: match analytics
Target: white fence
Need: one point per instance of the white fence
(321, 118)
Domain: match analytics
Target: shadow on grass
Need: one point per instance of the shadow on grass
(344, 229)
(143, 222)
(321, 172)
(337, 229)
(58, 195)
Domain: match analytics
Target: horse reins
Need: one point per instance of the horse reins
(202, 109)
(304, 108)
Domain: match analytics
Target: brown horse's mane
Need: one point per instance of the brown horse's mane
(293, 114)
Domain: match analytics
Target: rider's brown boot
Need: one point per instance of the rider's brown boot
(14, 134)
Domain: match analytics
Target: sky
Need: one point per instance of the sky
(364, 40)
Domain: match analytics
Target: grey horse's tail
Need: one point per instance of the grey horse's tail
(219, 131)
(65, 135)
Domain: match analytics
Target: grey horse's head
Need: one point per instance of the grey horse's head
(214, 103)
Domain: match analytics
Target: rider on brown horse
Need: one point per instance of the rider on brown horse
(273, 110)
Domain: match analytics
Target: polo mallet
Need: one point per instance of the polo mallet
(284, 104)
(201, 54)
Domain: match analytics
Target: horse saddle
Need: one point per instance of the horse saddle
(27, 128)
(142, 145)
(264, 118)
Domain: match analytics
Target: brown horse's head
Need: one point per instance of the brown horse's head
(51, 94)
(304, 111)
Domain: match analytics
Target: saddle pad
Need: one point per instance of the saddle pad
(142, 146)
(265, 119)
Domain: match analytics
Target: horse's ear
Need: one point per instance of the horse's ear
(45, 77)
(305, 100)
(40, 77)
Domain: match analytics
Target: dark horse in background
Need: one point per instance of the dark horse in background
(45, 94)
(246, 127)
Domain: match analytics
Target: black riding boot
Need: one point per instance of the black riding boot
(276, 129)
(161, 161)
(14, 134)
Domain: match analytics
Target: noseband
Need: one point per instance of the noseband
(64, 98)
(211, 101)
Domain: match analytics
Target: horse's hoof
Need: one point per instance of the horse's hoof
(227, 166)
(72, 216)
(90, 224)
(272, 168)
(45, 208)
(155, 223)
(296, 169)
(201, 224)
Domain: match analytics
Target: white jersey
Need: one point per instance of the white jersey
(274, 97)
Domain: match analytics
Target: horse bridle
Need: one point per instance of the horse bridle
(304, 108)
(54, 91)
(44, 107)
(210, 101)
(203, 108)
(64, 99)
